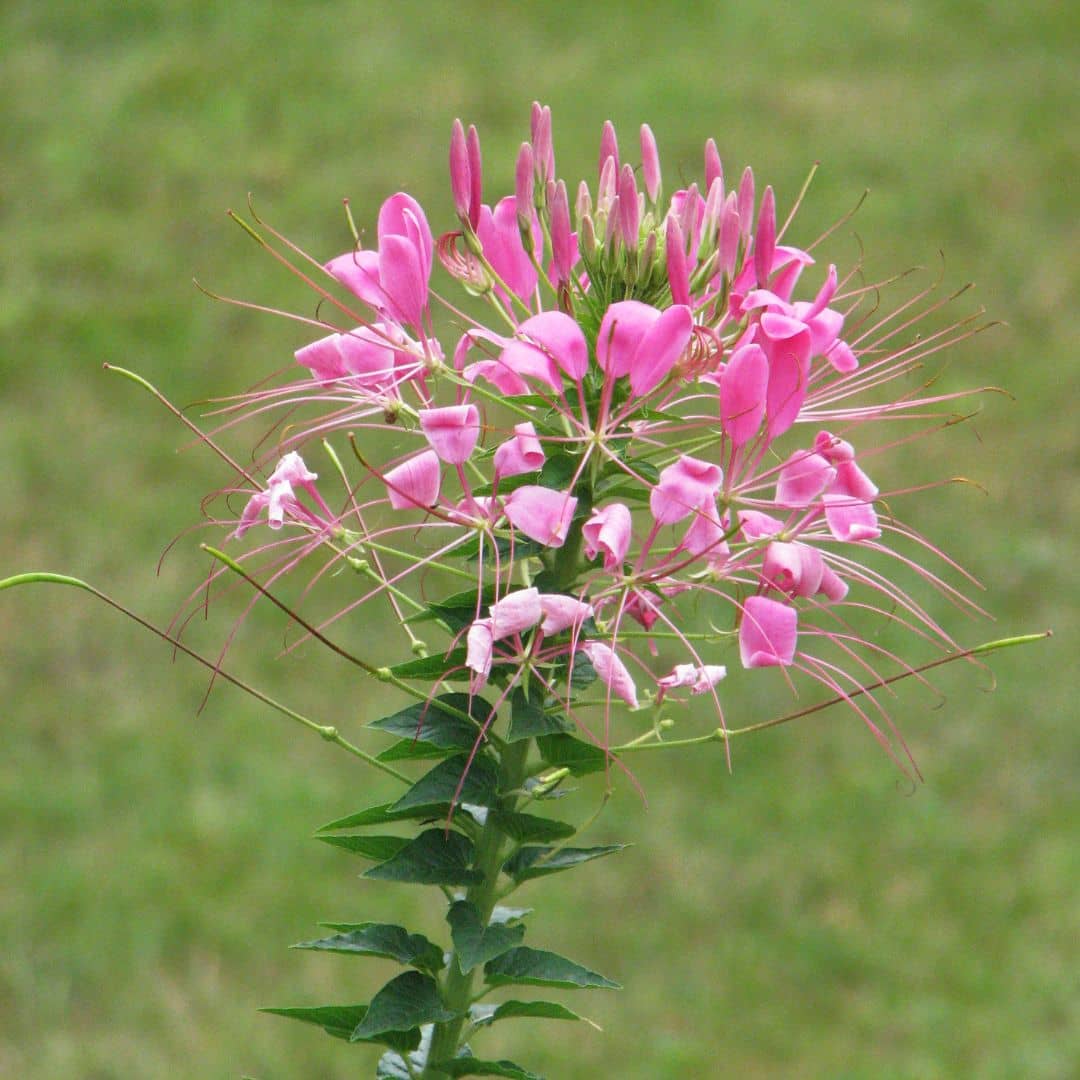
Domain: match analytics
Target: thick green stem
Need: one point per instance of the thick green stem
(491, 850)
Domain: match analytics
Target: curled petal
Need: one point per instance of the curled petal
(478, 648)
(541, 514)
(520, 454)
(793, 568)
(612, 671)
(706, 535)
(803, 477)
(561, 338)
(515, 612)
(401, 215)
(414, 482)
(832, 584)
(452, 431)
(699, 679)
(755, 525)
(562, 612)
(768, 633)
(851, 519)
(684, 487)
(608, 531)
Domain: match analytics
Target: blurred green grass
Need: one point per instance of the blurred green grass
(806, 915)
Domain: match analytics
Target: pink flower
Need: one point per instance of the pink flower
(700, 680)
(768, 633)
(515, 612)
(562, 612)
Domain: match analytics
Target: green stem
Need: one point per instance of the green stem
(491, 850)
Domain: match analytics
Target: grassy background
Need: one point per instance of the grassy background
(805, 916)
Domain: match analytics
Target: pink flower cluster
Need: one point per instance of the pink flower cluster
(632, 445)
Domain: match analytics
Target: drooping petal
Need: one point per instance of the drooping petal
(787, 345)
(452, 431)
(521, 453)
(527, 361)
(684, 486)
(851, 519)
(608, 531)
(612, 671)
(358, 271)
(515, 612)
(768, 633)
(699, 679)
(705, 537)
(541, 514)
(415, 482)
(803, 477)
(478, 648)
(561, 338)
(793, 567)
(742, 393)
(500, 238)
(563, 612)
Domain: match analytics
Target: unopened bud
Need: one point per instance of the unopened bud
(746, 201)
(476, 176)
(560, 232)
(765, 238)
(459, 171)
(650, 164)
(730, 231)
(714, 170)
(628, 208)
(609, 146)
(583, 205)
(523, 187)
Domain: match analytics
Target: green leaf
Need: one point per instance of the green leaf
(583, 673)
(438, 787)
(410, 750)
(402, 1005)
(379, 848)
(385, 940)
(537, 967)
(528, 719)
(482, 1015)
(383, 814)
(530, 862)
(429, 668)
(566, 751)
(470, 1066)
(475, 943)
(530, 828)
(337, 1020)
(456, 611)
(444, 721)
(435, 857)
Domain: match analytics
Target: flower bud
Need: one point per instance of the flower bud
(650, 164)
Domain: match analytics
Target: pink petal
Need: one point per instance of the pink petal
(323, 358)
(609, 531)
(414, 482)
(678, 270)
(755, 525)
(699, 679)
(706, 535)
(742, 393)
(358, 271)
(527, 361)
(768, 633)
(832, 585)
(612, 671)
(660, 349)
(793, 567)
(520, 454)
(541, 514)
(624, 325)
(787, 345)
(515, 612)
(501, 240)
(478, 648)
(803, 477)
(459, 171)
(401, 215)
(765, 237)
(452, 431)
(562, 612)
(851, 519)
(561, 338)
(683, 487)
(402, 279)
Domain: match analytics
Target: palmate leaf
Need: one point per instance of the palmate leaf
(402, 1005)
(456, 611)
(537, 967)
(435, 857)
(534, 862)
(470, 1066)
(381, 939)
(439, 787)
(475, 943)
